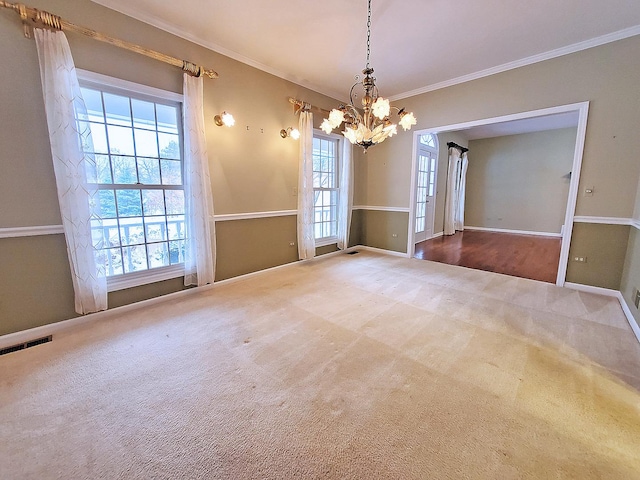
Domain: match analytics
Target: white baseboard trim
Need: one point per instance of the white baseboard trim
(382, 250)
(607, 292)
(436, 235)
(610, 293)
(630, 318)
(64, 325)
(518, 232)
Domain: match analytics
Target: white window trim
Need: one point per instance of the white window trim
(98, 80)
(323, 242)
(144, 277)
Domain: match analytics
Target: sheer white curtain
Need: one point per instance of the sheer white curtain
(345, 201)
(451, 197)
(72, 168)
(456, 187)
(200, 245)
(306, 236)
(462, 184)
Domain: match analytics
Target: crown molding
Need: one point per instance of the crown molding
(130, 11)
(540, 57)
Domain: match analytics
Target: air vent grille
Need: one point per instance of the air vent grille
(29, 344)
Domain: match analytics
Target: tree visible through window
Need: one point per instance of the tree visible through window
(136, 143)
(325, 186)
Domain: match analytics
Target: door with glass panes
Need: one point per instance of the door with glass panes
(426, 163)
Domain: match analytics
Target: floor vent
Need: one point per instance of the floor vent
(29, 344)
(353, 252)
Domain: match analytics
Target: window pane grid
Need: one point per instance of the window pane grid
(325, 183)
(140, 200)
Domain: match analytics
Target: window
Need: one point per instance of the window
(136, 141)
(325, 188)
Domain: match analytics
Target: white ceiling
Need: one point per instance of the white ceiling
(416, 45)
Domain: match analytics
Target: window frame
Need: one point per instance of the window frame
(109, 84)
(324, 241)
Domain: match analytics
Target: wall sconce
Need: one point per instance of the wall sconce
(224, 119)
(290, 132)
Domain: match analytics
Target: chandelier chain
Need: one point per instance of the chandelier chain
(368, 33)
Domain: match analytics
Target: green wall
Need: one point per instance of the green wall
(384, 229)
(631, 274)
(246, 246)
(35, 282)
(605, 247)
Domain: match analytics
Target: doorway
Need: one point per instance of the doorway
(538, 120)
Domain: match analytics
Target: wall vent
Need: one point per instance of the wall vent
(29, 344)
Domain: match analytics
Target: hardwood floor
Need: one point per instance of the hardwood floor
(526, 256)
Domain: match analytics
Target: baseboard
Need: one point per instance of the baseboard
(382, 250)
(610, 293)
(630, 318)
(23, 336)
(517, 232)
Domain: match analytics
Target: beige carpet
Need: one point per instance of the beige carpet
(357, 367)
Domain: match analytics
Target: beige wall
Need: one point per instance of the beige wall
(520, 182)
(253, 169)
(606, 76)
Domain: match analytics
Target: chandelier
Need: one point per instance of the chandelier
(374, 124)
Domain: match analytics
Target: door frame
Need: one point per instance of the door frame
(582, 108)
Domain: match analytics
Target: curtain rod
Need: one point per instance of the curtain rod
(459, 147)
(31, 16)
(301, 105)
